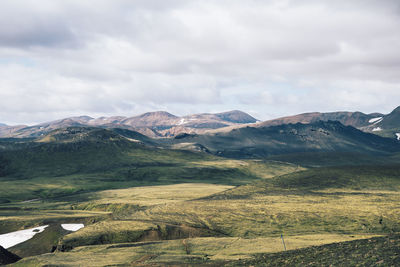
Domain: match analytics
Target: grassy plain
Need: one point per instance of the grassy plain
(201, 224)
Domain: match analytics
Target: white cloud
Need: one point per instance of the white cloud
(127, 57)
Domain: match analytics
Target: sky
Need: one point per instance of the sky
(270, 58)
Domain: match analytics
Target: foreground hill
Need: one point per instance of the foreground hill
(377, 251)
(258, 142)
(335, 179)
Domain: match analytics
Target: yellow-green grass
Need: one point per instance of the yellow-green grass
(118, 231)
(169, 170)
(107, 232)
(309, 208)
(153, 195)
(260, 168)
(191, 250)
(97, 205)
(267, 215)
(251, 213)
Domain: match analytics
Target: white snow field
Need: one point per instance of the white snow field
(15, 238)
(72, 226)
(374, 120)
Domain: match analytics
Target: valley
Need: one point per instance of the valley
(222, 198)
(169, 133)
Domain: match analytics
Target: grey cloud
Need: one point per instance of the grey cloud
(25, 24)
(103, 57)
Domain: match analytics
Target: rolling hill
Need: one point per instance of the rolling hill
(76, 159)
(259, 142)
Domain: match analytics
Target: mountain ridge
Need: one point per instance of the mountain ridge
(161, 124)
(321, 136)
(153, 124)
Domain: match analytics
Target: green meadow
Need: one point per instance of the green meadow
(216, 224)
(145, 205)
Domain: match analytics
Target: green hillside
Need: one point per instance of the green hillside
(261, 142)
(75, 160)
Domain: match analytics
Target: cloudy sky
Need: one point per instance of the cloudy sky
(269, 58)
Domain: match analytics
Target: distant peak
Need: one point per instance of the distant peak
(79, 118)
(158, 114)
(236, 116)
(232, 112)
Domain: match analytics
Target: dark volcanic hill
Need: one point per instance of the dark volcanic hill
(392, 120)
(253, 142)
(377, 123)
(355, 119)
(386, 125)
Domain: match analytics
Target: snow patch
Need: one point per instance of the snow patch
(377, 129)
(375, 120)
(182, 121)
(72, 226)
(398, 136)
(132, 140)
(14, 238)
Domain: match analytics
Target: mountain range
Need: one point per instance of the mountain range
(304, 168)
(152, 124)
(161, 124)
